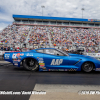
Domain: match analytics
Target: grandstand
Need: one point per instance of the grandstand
(43, 31)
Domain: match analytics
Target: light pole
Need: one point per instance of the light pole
(42, 9)
(82, 11)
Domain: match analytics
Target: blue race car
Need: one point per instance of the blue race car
(51, 59)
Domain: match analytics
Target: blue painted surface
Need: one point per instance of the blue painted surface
(52, 62)
(50, 18)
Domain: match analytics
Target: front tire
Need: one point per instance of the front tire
(87, 67)
(30, 64)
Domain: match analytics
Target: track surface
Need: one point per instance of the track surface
(18, 79)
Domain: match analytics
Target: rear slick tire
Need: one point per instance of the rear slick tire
(30, 64)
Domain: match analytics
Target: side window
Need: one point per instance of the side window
(49, 51)
(41, 51)
(58, 53)
(53, 52)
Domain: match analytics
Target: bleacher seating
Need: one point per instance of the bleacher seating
(60, 36)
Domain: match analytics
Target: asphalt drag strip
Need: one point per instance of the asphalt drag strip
(56, 85)
(16, 80)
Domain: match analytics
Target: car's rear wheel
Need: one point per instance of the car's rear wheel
(87, 67)
(30, 64)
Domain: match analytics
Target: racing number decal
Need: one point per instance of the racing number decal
(56, 61)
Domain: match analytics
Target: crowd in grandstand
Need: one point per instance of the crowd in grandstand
(38, 36)
(13, 34)
(60, 36)
(70, 36)
(8, 48)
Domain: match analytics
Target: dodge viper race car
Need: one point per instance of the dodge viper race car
(51, 59)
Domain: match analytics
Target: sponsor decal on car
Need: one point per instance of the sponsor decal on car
(61, 69)
(66, 69)
(14, 55)
(19, 54)
(18, 60)
(44, 68)
(71, 69)
(53, 69)
(97, 69)
(16, 64)
(42, 64)
(14, 58)
(56, 61)
(15, 61)
(29, 54)
(7, 56)
(41, 61)
(19, 57)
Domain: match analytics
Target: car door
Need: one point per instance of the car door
(54, 59)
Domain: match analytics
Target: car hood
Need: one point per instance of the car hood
(72, 54)
(78, 55)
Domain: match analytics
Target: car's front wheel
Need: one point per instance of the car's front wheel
(87, 67)
(30, 64)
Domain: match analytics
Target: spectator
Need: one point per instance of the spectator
(60, 36)
(2, 48)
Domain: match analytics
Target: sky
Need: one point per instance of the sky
(54, 8)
